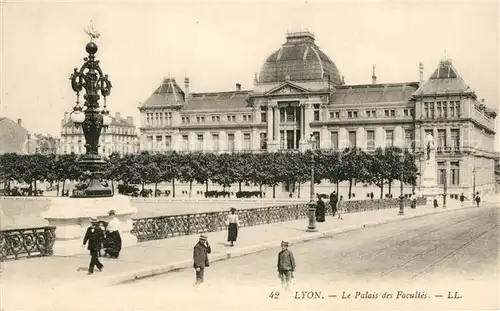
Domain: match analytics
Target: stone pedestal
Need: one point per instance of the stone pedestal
(273, 146)
(304, 145)
(71, 216)
(429, 187)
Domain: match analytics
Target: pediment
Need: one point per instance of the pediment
(287, 88)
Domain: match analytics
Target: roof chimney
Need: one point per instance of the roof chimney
(186, 86)
(117, 116)
(374, 77)
(20, 122)
(238, 87)
(421, 72)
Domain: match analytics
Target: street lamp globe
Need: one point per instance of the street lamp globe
(106, 118)
(77, 116)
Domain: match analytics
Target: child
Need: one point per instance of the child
(286, 265)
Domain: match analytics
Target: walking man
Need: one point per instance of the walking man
(462, 198)
(200, 258)
(94, 236)
(286, 265)
(333, 202)
(478, 199)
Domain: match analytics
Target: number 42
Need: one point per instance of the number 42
(274, 295)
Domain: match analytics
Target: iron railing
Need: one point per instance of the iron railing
(161, 227)
(28, 242)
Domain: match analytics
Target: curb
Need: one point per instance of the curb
(150, 271)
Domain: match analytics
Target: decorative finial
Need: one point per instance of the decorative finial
(92, 32)
(445, 54)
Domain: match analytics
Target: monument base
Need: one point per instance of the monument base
(304, 145)
(71, 217)
(273, 146)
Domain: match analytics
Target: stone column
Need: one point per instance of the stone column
(276, 124)
(379, 137)
(343, 139)
(325, 142)
(303, 144)
(360, 138)
(399, 136)
(270, 129)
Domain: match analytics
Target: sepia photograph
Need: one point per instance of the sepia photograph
(249, 155)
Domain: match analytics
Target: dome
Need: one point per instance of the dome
(299, 59)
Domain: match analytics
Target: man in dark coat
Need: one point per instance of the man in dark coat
(95, 237)
(286, 265)
(478, 199)
(462, 199)
(200, 258)
(334, 198)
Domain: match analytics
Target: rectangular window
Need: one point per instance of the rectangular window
(282, 114)
(263, 114)
(157, 115)
(335, 140)
(317, 144)
(455, 176)
(445, 109)
(290, 114)
(316, 112)
(263, 141)
(409, 143)
(349, 114)
(386, 112)
(389, 138)
(427, 112)
(213, 119)
(150, 143)
(370, 139)
(352, 139)
(246, 141)
(439, 109)
(431, 108)
(230, 142)
(228, 118)
(198, 119)
(215, 142)
(441, 143)
(185, 142)
(393, 113)
(159, 141)
(199, 142)
(168, 142)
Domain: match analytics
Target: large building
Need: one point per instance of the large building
(121, 136)
(14, 137)
(300, 92)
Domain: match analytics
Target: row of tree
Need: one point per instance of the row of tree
(384, 166)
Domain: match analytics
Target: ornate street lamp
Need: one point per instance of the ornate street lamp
(91, 117)
(312, 204)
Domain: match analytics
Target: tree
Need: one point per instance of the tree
(186, 169)
(169, 168)
(352, 167)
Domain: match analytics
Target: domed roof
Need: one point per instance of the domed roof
(299, 59)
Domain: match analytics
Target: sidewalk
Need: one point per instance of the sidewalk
(160, 256)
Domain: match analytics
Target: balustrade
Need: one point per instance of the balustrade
(29, 242)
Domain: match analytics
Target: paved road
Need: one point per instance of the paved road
(453, 254)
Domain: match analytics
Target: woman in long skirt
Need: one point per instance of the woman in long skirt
(233, 223)
(113, 242)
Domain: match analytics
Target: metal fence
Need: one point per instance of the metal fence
(153, 228)
(26, 243)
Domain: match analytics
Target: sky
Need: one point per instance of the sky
(220, 43)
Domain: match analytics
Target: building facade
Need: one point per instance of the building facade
(14, 137)
(300, 94)
(121, 136)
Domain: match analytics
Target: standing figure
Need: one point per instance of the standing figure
(94, 236)
(200, 258)
(462, 199)
(341, 207)
(113, 241)
(320, 210)
(233, 223)
(478, 199)
(333, 202)
(286, 265)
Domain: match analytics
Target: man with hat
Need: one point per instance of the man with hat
(113, 241)
(286, 265)
(200, 258)
(94, 236)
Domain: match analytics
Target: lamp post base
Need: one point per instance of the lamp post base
(401, 207)
(312, 220)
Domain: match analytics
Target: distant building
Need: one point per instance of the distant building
(121, 136)
(300, 93)
(14, 137)
(45, 144)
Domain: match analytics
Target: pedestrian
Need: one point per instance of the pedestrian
(462, 199)
(94, 236)
(478, 199)
(436, 203)
(371, 195)
(233, 223)
(414, 200)
(200, 258)
(320, 210)
(333, 202)
(341, 207)
(113, 240)
(286, 266)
